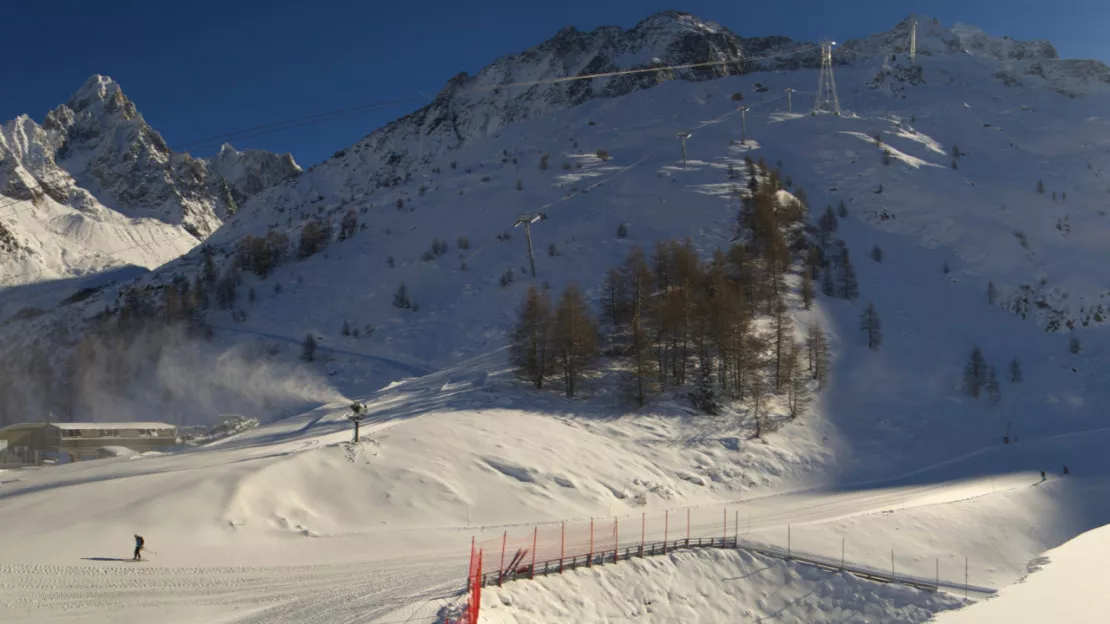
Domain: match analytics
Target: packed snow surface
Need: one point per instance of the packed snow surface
(893, 464)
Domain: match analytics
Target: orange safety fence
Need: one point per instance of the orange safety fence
(473, 589)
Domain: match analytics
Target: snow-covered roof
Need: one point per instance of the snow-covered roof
(125, 425)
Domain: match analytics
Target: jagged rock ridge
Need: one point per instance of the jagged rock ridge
(97, 146)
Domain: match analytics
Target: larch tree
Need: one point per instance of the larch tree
(828, 282)
(757, 390)
(807, 289)
(994, 393)
(871, 326)
(782, 327)
(531, 346)
(796, 380)
(817, 344)
(308, 348)
(849, 285)
(975, 373)
(575, 337)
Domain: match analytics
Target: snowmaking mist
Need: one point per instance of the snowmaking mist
(165, 374)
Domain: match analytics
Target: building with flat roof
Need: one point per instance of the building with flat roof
(31, 443)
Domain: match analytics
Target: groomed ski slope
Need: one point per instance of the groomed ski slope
(267, 525)
(289, 521)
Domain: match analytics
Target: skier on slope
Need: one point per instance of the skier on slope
(138, 547)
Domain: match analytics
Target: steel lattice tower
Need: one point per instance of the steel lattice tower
(827, 101)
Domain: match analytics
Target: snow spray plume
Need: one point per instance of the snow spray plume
(163, 374)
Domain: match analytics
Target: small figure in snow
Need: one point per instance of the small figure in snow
(1066, 471)
(1043, 478)
(138, 547)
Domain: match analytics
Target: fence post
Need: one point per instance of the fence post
(666, 525)
(476, 602)
(562, 544)
(687, 527)
(724, 535)
(842, 554)
(965, 577)
(535, 534)
(788, 550)
(643, 531)
(616, 540)
(892, 575)
(736, 529)
(938, 573)
(501, 572)
(590, 561)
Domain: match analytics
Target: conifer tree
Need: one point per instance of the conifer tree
(796, 380)
(1015, 371)
(828, 284)
(807, 290)
(308, 348)
(575, 336)
(757, 389)
(531, 346)
(994, 394)
(992, 293)
(817, 345)
(849, 286)
(870, 325)
(783, 332)
(975, 373)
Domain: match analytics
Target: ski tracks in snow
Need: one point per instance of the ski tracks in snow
(358, 592)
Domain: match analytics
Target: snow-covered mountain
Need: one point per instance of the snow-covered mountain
(95, 187)
(101, 139)
(973, 207)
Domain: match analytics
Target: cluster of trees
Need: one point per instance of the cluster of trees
(829, 261)
(674, 320)
(560, 340)
(677, 321)
(981, 377)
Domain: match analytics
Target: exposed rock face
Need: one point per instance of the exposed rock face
(103, 142)
(503, 93)
(251, 171)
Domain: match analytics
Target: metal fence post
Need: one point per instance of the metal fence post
(788, 549)
(666, 526)
(687, 527)
(643, 531)
(938, 572)
(724, 534)
(736, 529)
(892, 575)
(501, 572)
(965, 577)
(590, 561)
(616, 539)
(535, 534)
(842, 554)
(562, 544)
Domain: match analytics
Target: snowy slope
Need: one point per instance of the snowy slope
(1063, 584)
(893, 456)
(95, 188)
(688, 587)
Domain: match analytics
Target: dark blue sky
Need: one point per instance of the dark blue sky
(201, 68)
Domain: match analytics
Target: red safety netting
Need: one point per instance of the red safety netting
(473, 589)
(552, 546)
